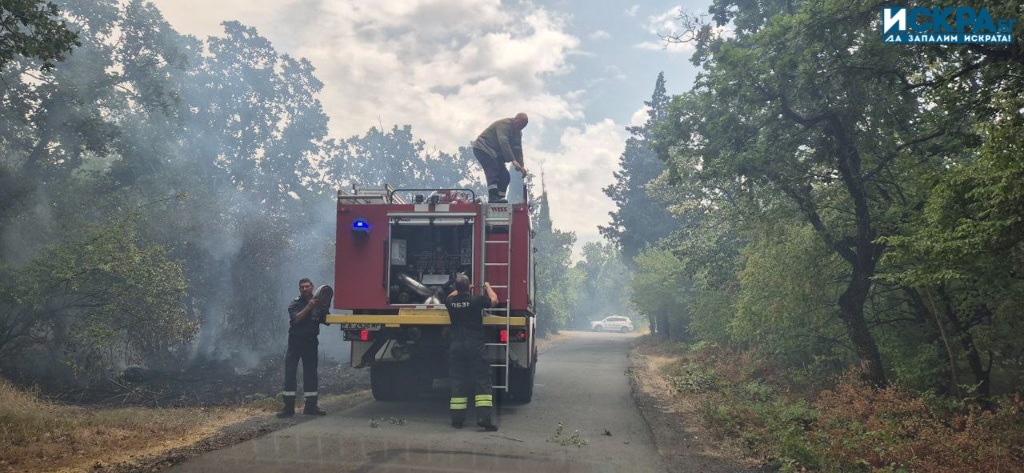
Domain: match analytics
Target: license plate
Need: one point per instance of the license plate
(371, 327)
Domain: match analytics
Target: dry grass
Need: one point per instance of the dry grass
(37, 435)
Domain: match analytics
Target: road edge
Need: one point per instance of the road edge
(230, 435)
(679, 439)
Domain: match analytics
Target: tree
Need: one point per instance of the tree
(640, 220)
(963, 255)
(398, 159)
(824, 120)
(658, 290)
(32, 29)
(94, 298)
(554, 251)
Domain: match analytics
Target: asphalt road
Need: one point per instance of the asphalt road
(581, 383)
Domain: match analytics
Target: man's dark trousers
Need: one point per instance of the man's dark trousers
(304, 348)
(471, 375)
(495, 171)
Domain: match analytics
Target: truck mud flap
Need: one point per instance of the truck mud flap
(371, 353)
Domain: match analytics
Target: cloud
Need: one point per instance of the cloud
(664, 22)
(662, 45)
(600, 34)
(614, 73)
(631, 11)
(575, 173)
(448, 68)
(640, 116)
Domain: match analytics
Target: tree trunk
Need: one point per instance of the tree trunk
(664, 332)
(851, 312)
(863, 256)
(852, 315)
(982, 376)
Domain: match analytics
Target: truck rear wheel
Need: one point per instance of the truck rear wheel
(520, 389)
(396, 381)
(383, 382)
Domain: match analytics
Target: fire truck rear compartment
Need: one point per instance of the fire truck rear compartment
(425, 253)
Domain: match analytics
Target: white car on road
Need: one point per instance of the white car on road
(612, 323)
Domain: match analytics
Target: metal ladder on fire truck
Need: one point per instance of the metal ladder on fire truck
(497, 218)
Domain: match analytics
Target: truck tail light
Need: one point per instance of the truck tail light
(517, 336)
(359, 335)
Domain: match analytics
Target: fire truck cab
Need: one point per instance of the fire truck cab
(395, 249)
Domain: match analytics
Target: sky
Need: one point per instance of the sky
(581, 69)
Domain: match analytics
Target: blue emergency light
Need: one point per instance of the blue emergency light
(360, 227)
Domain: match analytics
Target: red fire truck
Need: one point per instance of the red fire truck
(395, 249)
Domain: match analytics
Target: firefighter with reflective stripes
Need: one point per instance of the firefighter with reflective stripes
(469, 369)
(304, 327)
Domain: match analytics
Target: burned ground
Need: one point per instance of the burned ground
(201, 383)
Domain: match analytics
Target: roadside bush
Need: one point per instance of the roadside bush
(864, 429)
(741, 398)
(849, 426)
(692, 378)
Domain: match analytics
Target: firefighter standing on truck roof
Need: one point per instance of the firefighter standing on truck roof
(470, 372)
(500, 143)
(304, 320)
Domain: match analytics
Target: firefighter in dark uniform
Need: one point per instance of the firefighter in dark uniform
(304, 327)
(470, 372)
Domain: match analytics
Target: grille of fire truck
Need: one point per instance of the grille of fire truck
(499, 241)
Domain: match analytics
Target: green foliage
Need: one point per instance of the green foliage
(779, 121)
(33, 29)
(660, 291)
(849, 425)
(786, 309)
(553, 279)
(396, 158)
(603, 289)
(800, 113)
(692, 378)
(139, 116)
(847, 204)
(99, 297)
(713, 309)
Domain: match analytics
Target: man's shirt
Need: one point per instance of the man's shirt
(502, 141)
(307, 327)
(466, 314)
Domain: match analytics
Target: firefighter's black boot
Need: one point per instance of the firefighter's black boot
(484, 420)
(289, 407)
(458, 418)
(484, 404)
(311, 409)
(493, 197)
